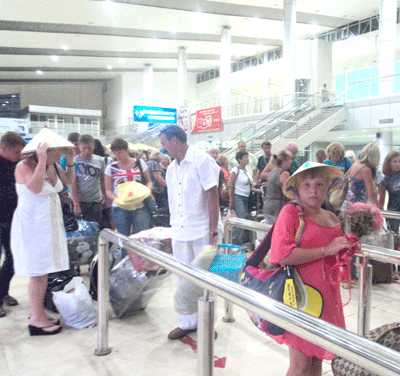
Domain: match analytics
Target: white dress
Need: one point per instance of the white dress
(38, 240)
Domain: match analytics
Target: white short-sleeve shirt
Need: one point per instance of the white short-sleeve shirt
(187, 183)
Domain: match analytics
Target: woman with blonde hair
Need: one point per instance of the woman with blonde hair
(336, 158)
(313, 257)
(274, 199)
(214, 152)
(38, 240)
(361, 186)
(361, 177)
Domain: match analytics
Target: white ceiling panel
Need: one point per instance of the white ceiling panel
(98, 33)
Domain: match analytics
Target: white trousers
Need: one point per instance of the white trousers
(186, 251)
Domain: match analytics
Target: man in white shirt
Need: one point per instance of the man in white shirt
(192, 181)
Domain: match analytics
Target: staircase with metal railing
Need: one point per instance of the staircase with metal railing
(148, 135)
(296, 106)
(304, 118)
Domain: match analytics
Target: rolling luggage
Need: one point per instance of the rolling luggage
(381, 272)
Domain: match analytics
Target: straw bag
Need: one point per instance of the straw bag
(387, 335)
(131, 195)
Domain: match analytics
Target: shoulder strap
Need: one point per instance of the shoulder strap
(265, 245)
(57, 172)
(362, 168)
(138, 164)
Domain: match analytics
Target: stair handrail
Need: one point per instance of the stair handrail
(275, 118)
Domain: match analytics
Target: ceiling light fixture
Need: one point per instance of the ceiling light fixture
(54, 58)
(65, 47)
(39, 71)
(122, 60)
(109, 67)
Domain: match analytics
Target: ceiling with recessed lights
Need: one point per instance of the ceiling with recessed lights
(98, 39)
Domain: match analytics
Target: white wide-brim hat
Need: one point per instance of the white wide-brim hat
(335, 176)
(50, 138)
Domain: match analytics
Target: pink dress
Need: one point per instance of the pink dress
(324, 299)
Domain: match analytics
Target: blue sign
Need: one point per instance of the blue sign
(154, 114)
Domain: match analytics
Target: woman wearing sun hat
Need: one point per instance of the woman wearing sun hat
(314, 259)
(38, 240)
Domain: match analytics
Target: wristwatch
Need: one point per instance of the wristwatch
(212, 234)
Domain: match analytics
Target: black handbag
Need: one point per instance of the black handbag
(70, 222)
(282, 284)
(56, 282)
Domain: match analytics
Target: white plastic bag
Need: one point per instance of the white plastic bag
(188, 293)
(75, 305)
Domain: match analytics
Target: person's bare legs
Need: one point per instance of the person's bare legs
(38, 317)
(303, 365)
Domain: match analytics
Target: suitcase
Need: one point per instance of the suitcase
(381, 272)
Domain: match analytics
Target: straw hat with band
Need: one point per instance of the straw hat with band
(335, 177)
(53, 140)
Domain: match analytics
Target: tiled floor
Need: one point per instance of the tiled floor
(140, 346)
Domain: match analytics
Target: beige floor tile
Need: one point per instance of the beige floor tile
(140, 346)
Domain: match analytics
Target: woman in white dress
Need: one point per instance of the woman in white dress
(38, 240)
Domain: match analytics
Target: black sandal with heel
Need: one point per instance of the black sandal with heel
(35, 331)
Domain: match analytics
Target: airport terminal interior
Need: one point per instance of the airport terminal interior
(310, 72)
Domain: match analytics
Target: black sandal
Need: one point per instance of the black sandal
(35, 331)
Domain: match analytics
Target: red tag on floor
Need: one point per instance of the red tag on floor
(218, 362)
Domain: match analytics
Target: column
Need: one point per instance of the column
(289, 22)
(385, 143)
(387, 45)
(225, 68)
(182, 77)
(148, 84)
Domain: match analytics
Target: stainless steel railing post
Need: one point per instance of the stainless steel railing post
(373, 356)
(205, 333)
(364, 299)
(103, 298)
(228, 306)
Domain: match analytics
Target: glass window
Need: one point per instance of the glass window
(375, 23)
(34, 117)
(365, 27)
(353, 30)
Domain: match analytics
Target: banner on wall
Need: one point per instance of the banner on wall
(208, 120)
(17, 125)
(183, 121)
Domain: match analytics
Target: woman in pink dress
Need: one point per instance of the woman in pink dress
(314, 258)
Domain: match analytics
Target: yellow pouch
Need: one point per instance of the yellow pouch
(131, 195)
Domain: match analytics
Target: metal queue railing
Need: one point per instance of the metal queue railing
(369, 252)
(370, 355)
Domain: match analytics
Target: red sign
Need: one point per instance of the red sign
(208, 120)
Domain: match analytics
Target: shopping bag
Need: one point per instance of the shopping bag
(75, 305)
